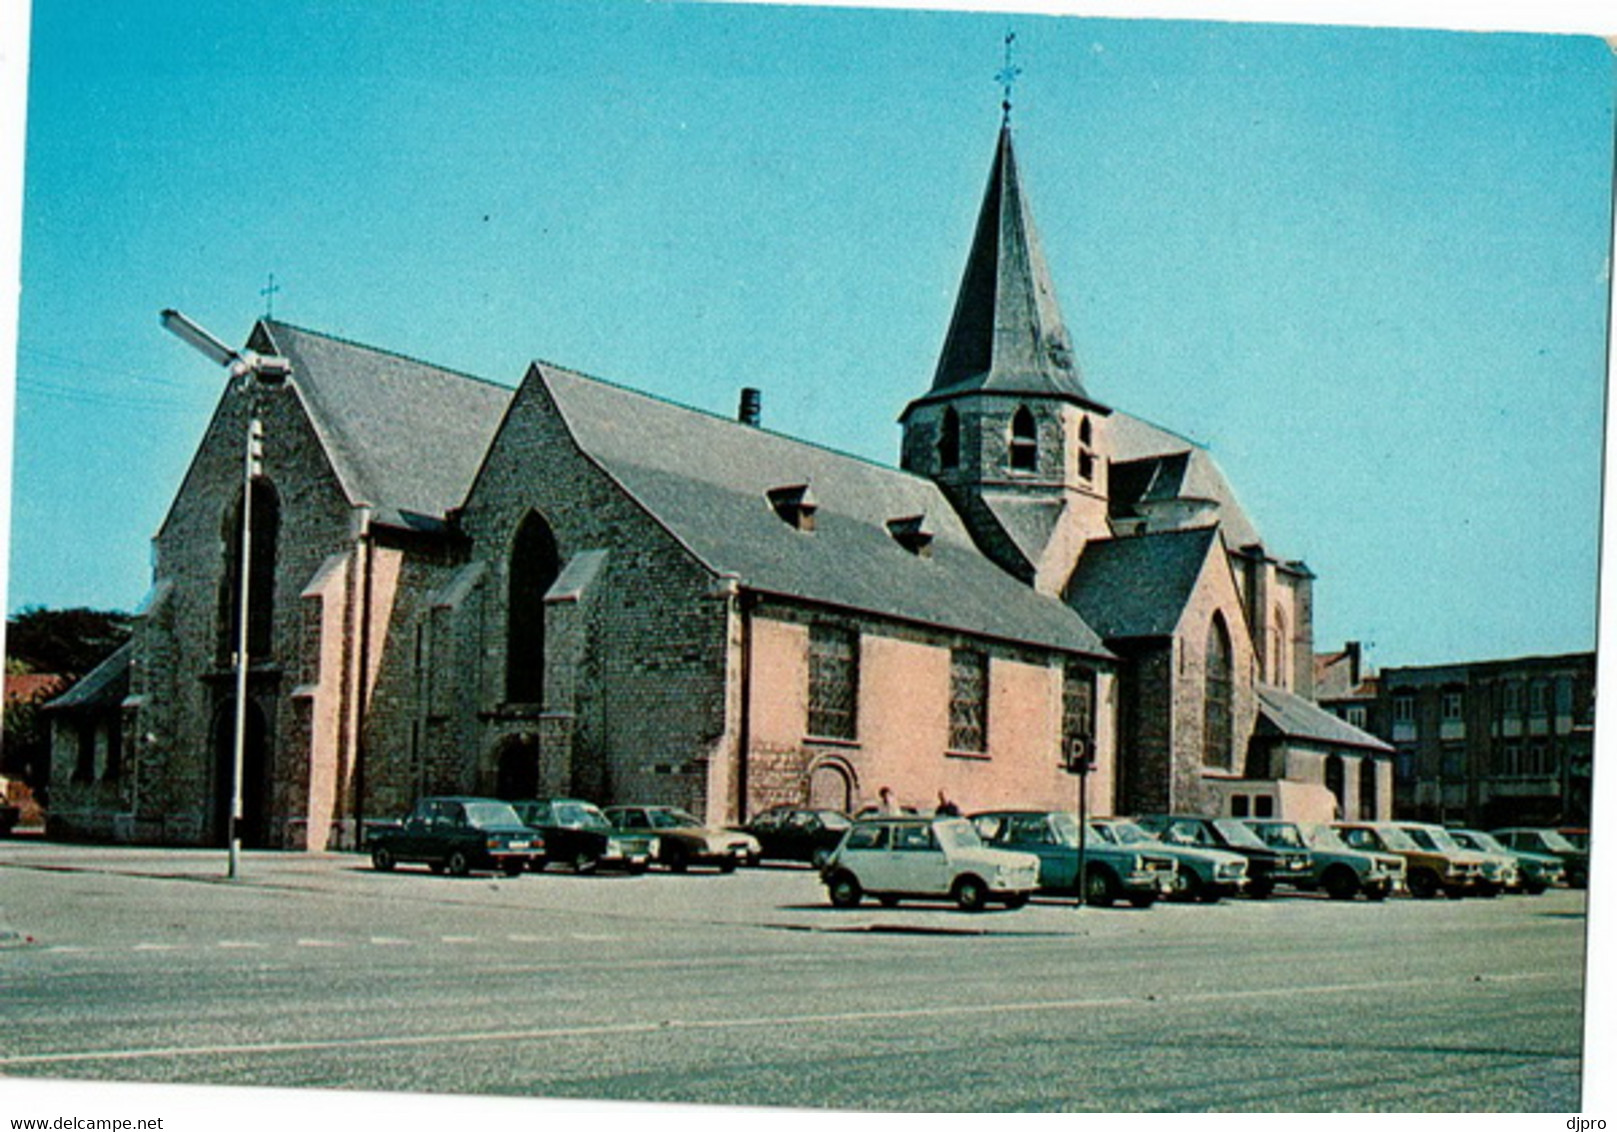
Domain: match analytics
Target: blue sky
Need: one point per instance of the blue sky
(1368, 267)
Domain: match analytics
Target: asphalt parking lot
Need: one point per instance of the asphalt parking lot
(750, 989)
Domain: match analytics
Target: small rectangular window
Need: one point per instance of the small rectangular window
(1453, 705)
(1264, 806)
(1238, 805)
(1403, 709)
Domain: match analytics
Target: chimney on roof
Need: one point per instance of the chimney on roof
(1355, 654)
(752, 407)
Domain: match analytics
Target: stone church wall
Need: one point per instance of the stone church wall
(648, 710)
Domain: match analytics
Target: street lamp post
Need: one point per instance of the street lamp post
(251, 370)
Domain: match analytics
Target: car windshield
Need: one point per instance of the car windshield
(1394, 838)
(1575, 841)
(957, 835)
(1121, 833)
(1066, 828)
(491, 815)
(1324, 837)
(1473, 839)
(1556, 842)
(1281, 836)
(1439, 838)
(581, 815)
(671, 819)
(1237, 834)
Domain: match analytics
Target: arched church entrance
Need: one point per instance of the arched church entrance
(253, 829)
(516, 768)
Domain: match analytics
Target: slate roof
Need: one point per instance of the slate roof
(1007, 334)
(1150, 463)
(404, 436)
(104, 686)
(1291, 716)
(1137, 586)
(705, 478)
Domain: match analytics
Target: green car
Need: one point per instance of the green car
(457, 835)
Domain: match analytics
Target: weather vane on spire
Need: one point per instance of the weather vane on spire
(1007, 75)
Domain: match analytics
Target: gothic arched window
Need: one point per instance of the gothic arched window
(1218, 697)
(1024, 441)
(534, 566)
(266, 531)
(1279, 661)
(949, 440)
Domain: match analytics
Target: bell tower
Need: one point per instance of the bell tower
(1007, 428)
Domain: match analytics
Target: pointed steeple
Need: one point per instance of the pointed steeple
(1007, 334)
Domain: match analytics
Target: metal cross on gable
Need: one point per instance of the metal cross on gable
(1008, 74)
(269, 294)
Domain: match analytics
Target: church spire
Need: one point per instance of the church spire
(1007, 334)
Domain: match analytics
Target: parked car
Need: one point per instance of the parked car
(682, 840)
(577, 834)
(1535, 839)
(1498, 872)
(1112, 873)
(1535, 872)
(1266, 865)
(791, 833)
(926, 858)
(1429, 867)
(1207, 875)
(1578, 836)
(1334, 867)
(456, 835)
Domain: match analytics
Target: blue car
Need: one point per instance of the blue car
(1139, 875)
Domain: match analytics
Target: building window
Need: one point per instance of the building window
(1086, 434)
(1453, 706)
(1077, 710)
(1513, 698)
(1024, 441)
(1218, 698)
(968, 701)
(1238, 806)
(1403, 709)
(833, 690)
(266, 521)
(949, 440)
(535, 563)
(1453, 760)
(1512, 760)
(1280, 662)
(1405, 766)
(84, 771)
(1538, 699)
(1086, 466)
(1336, 781)
(115, 749)
(1357, 716)
(1263, 806)
(1367, 788)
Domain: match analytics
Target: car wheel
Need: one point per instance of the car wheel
(676, 859)
(435, 867)
(844, 891)
(1534, 889)
(585, 862)
(514, 868)
(887, 901)
(1191, 887)
(1101, 888)
(1378, 893)
(1341, 883)
(382, 859)
(1423, 884)
(971, 894)
(1016, 900)
(637, 868)
(1487, 891)
(728, 865)
(1142, 899)
(457, 865)
(1260, 888)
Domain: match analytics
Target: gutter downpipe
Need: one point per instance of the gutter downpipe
(363, 688)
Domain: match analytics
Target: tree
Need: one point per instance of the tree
(67, 642)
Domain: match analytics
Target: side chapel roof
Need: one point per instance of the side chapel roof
(1138, 586)
(707, 480)
(1285, 714)
(405, 436)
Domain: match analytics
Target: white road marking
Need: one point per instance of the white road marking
(395, 1041)
(239, 944)
(390, 941)
(156, 947)
(459, 938)
(320, 943)
(518, 937)
(588, 938)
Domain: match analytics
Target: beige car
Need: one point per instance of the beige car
(683, 841)
(1432, 863)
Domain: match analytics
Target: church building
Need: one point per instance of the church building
(574, 588)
